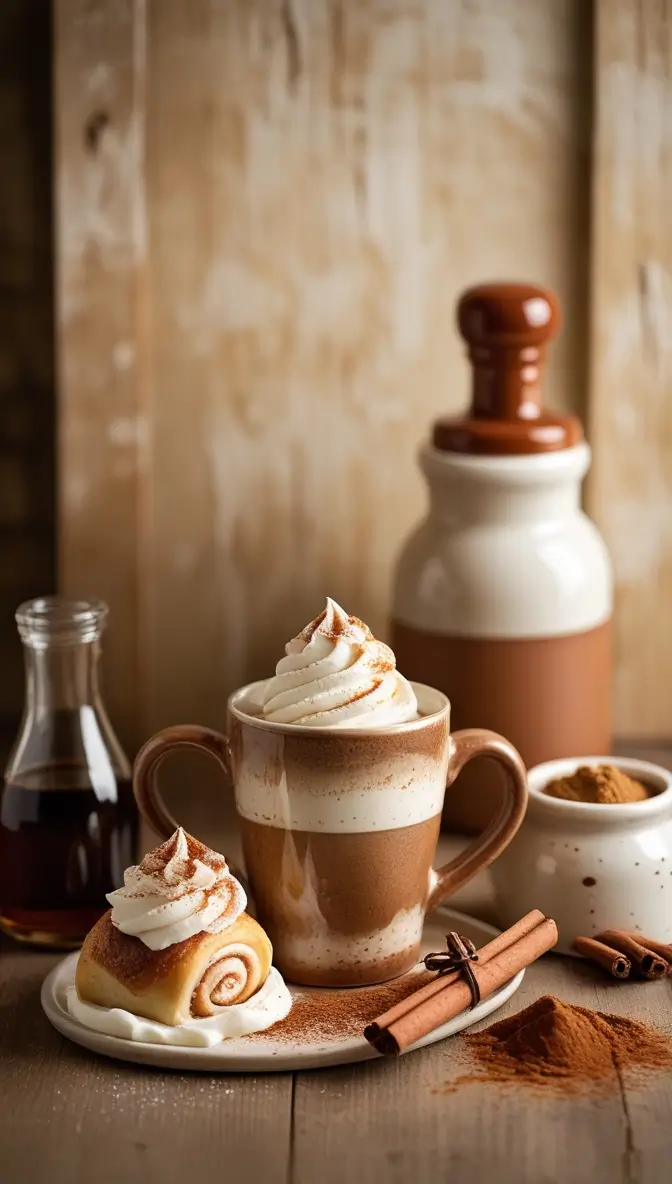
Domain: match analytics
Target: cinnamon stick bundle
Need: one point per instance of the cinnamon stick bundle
(657, 947)
(445, 997)
(649, 964)
(596, 951)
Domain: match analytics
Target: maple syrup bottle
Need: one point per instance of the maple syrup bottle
(68, 821)
(503, 595)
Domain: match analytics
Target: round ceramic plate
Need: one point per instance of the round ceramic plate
(266, 1052)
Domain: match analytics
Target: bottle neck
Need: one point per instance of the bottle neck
(62, 678)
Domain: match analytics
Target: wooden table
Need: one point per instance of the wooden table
(70, 1117)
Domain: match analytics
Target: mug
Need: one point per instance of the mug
(339, 829)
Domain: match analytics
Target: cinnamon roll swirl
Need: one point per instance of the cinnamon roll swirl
(192, 979)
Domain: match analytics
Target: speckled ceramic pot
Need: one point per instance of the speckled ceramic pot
(592, 867)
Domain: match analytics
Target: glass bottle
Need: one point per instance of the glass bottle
(68, 823)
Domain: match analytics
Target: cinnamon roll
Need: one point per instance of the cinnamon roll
(177, 959)
(193, 979)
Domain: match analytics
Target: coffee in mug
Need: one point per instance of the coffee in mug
(339, 768)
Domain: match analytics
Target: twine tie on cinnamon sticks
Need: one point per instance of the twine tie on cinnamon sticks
(460, 954)
(450, 993)
(618, 951)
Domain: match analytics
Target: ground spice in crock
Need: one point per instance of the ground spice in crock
(565, 1048)
(602, 784)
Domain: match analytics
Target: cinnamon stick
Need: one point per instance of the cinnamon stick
(649, 964)
(657, 947)
(596, 951)
(502, 942)
(445, 997)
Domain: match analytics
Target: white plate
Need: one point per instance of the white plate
(254, 1055)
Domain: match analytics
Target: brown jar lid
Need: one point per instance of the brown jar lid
(506, 328)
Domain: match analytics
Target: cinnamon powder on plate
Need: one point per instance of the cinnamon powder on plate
(320, 1016)
(565, 1048)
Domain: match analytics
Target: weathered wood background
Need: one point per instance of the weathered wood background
(631, 347)
(265, 212)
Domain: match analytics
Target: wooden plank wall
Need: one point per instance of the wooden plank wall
(102, 341)
(266, 209)
(630, 493)
(316, 181)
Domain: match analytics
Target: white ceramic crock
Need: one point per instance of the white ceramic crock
(506, 550)
(591, 867)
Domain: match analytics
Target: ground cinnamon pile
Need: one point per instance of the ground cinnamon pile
(565, 1048)
(602, 784)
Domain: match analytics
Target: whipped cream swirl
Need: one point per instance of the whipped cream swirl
(335, 674)
(179, 889)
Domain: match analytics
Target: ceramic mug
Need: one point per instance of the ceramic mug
(340, 827)
(590, 866)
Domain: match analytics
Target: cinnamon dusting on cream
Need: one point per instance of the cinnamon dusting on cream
(180, 888)
(335, 673)
(181, 852)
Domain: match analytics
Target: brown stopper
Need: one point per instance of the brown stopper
(506, 328)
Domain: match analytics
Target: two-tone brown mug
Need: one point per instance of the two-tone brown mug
(340, 828)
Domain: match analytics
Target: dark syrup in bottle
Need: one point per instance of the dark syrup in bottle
(63, 845)
(68, 820)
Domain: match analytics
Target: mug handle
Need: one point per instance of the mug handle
(467, 744)
(150, 803)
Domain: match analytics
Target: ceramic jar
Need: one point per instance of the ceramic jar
(503, 594)
(591, 867)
